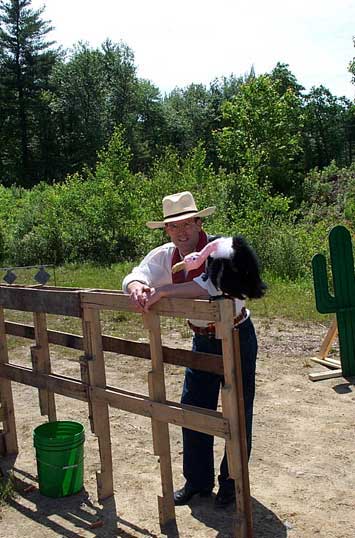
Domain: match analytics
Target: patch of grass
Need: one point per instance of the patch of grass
(287, 299)
(86, 275)
(7, 488)
(284, 298)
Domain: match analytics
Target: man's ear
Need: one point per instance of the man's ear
(198, 223)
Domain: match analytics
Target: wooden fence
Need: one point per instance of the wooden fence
(92, 387)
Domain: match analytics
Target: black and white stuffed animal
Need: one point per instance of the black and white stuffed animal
(232, 267)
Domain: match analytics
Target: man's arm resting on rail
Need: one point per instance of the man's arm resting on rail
(184, 290)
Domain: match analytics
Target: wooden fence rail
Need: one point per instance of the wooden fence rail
(93, 389)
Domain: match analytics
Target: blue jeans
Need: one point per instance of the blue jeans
(202, 389)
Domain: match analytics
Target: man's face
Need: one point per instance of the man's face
(184, 234)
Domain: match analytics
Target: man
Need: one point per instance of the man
(153, 279)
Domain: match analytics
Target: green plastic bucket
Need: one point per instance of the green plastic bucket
(60, 457)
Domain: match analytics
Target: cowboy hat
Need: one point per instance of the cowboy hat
(179, 206)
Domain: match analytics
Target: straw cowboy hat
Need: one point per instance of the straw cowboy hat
(179, 206)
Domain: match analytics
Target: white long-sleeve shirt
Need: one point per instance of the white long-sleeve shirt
(155, 271)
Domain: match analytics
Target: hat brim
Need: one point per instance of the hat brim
(161, 224)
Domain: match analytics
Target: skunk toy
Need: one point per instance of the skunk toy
(232, 267)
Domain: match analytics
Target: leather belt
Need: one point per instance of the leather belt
(210, 330)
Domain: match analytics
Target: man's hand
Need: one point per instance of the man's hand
(139, 294)
(154, 296)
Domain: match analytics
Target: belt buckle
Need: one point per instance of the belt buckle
(211, 330)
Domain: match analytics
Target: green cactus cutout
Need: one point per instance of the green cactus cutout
(343, 301)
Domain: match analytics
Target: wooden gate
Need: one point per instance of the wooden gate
(92, 387)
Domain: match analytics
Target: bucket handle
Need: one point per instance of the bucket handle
(62, 468)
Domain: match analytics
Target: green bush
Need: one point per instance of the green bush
(286, 249)
(99, 216)
(330, 194)
(2, 246)
(33, 233)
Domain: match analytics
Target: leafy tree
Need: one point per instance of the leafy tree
(192, 114)
(225, 88)
(133, 103)
(352, 65)
(262, 134)
(26, 60)
(78, 106)
(328, 130)
(96, 90)
(146, 130)
(285, 80)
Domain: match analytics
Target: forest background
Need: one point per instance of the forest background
(88, 149)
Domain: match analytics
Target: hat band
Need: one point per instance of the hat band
(179, 214)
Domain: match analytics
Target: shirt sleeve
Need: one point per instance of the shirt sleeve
(154, 270)
(207, 284)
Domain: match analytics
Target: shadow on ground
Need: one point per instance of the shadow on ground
(69, 516)
(265, 523)
(345, 388)
(76, 511)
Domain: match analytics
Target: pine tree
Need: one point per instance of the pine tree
(26, 60)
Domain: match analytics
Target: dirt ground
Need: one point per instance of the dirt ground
(302, 467)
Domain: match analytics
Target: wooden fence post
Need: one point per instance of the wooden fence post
(93, 373)
(233, 410)
(41, 364)
(160, 430)
(6, 399)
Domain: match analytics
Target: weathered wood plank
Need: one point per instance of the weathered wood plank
(95, 375)
(319, 376)
(181, 308)
(328, 340)
(67, 301)
(6, 397)
(160, 430)
(326, 362)
(333, 361)
(41, 362)
(65, 386)
(199, 419)
(243, 432)
(231, 398)
(187, 416)
(178, 357)
(51, 301)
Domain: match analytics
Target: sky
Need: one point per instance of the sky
(195, 41)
